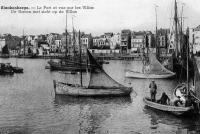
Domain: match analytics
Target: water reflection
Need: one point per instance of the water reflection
(182, 124)
(69, 100)
(92, 112)
(29, 106)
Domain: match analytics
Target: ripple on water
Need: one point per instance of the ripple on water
(28, 105)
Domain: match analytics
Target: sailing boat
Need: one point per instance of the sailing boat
(69, 63)
(177, 44)
(151, 69)
(100, 83)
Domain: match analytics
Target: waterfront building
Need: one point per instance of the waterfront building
(11, 41)
(95, 42)
(42, 38)
(150, 40)
(163, 42)
(86, 40)
(32, 40)
(108, 35)
(194, 38)
(102, 42)
(54, 41)
(2, 43)
(115, 41)
(44, 49)
(138, 42)
(125, 41)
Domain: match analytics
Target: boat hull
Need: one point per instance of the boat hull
(77, 90)
(66, 67)
(133, 74)
(17, 69)
(168, 108)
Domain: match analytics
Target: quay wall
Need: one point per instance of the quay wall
(97, 56)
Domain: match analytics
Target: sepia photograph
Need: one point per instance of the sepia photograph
(99, 67)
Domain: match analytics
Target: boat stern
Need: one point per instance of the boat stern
(128, 90)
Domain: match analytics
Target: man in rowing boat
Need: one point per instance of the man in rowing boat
(164, 99)
(153, 90)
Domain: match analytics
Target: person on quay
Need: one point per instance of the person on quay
(153, 90)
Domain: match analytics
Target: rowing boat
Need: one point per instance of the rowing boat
(176, 110)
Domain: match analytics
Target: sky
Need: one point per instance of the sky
(107, 16)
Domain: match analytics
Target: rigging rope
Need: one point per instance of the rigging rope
(192, 94)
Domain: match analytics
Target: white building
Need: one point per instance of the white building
(137, 43)
(2, 43)
(195, 39)
(115, 40)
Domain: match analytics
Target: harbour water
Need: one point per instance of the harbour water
(28, 104)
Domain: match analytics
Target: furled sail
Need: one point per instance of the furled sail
(196, 81)
(156, 67)
(98, 77)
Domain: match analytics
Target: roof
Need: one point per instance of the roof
(86, 36)
(197, 28)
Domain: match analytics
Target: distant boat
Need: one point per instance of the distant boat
(67, 65)
(31, 55)
(17, 69)
(6, 69)
(151, 69)
(47, 67)
(100, 84)
(176, 110)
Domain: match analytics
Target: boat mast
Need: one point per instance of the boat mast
(187, 64)
(66, 51)
(156, 43)
(73, 38)
(181, 39)
(24, 42)
(176, 28)
(81, 77)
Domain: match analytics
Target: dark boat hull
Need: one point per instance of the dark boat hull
(58, 66)
(17, 69)
(6, 69)
(6, 72)
(28, 56)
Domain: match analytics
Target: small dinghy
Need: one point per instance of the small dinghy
(176, 110)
